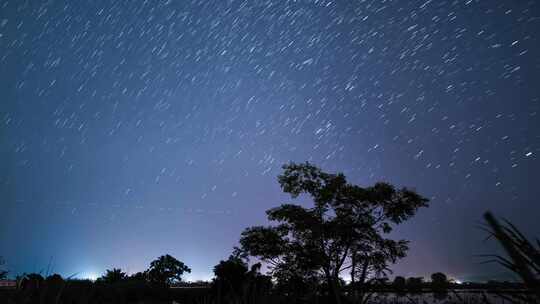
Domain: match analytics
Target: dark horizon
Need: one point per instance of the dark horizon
(129, 131)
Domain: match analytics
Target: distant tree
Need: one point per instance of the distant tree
(230, 275)
(415, 283)
(138, 277)
(234, 279)
(114, 275)
(55, 278)
(439, 281)
(166, 270)
(399, 283)
(344, 230)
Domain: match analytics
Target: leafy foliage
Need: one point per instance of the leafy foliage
(166, 270)
(138, 277)
(231, 274)
(114, 275)
(234, 280)
(439, 281)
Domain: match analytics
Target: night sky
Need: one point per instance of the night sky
(132, 129)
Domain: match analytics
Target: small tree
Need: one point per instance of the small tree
(231, 276)
(399, 283)
(439, 281)
(415, 284)
(55, 278)
(234, 280)
(166, 270)
(114, 275)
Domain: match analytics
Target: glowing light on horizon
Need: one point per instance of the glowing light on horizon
(90, 275)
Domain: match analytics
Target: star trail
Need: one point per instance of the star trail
(131, 129)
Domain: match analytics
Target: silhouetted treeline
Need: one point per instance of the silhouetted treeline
(234, 282)
(308, 252)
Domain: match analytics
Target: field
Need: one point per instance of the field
(87, 292)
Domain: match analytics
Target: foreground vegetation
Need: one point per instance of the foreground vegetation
(248, 288)
(308, 251)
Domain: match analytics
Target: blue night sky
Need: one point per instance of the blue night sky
(131, 129)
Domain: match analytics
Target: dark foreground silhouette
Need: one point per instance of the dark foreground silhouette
(309, 252)
(249, 287)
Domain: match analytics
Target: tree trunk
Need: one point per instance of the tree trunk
(333, 283)
(336, 290)
(363, 280)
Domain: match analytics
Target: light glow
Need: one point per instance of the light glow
(90, 275)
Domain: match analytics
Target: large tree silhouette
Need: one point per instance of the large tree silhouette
(344, 230)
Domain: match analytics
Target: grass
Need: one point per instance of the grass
(523, 258)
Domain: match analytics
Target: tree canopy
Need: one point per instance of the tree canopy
(439, 280)
(234, 278)
(114, 275)
(166, 270)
